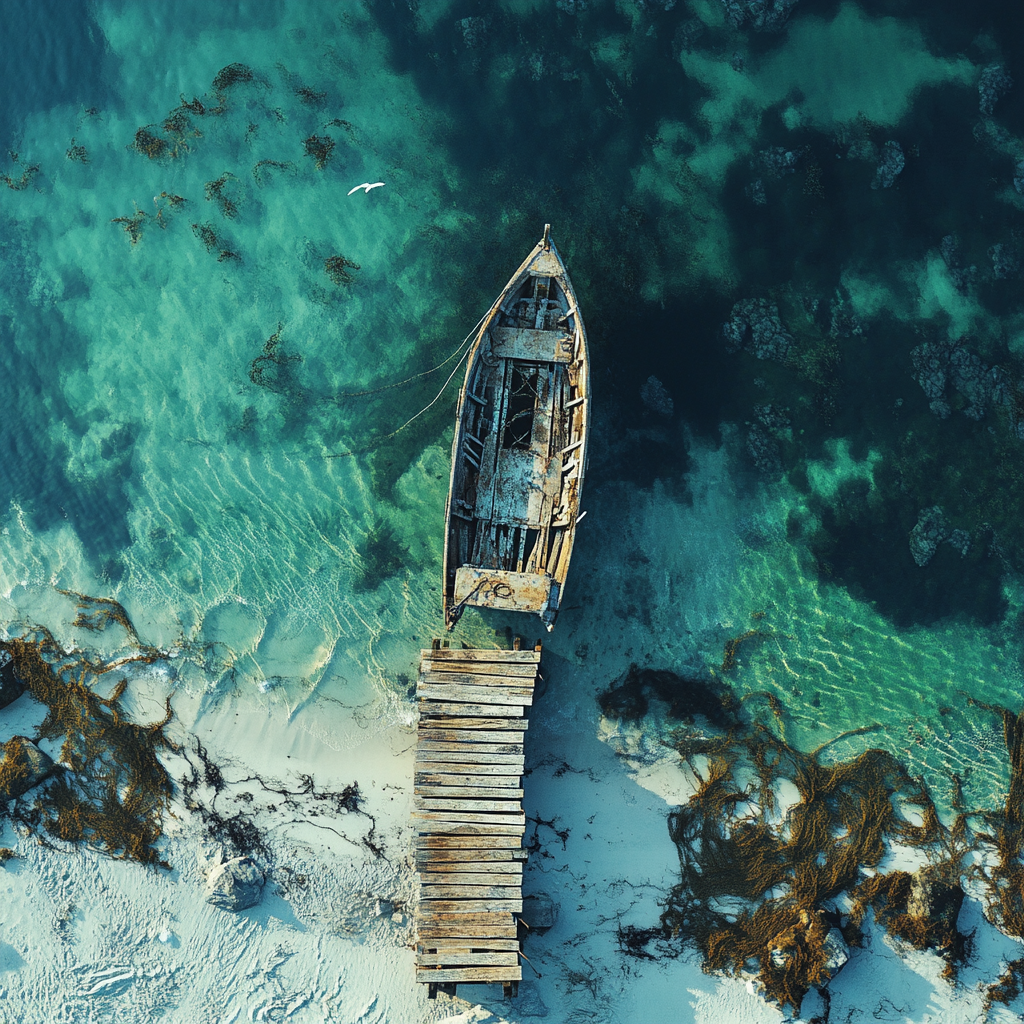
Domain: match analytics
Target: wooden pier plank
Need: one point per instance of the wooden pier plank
(466, 775)
(436, 822)
(462, 804)
(467, 975)
(468, 878)
(463, 755)
(468, 736)
(428, 721)
(467, 792)
(455, 817)
(482, 654)
(505, 697)
(470, 944)
(444, 854)
(467, 842)
(480, 669)
(446, 920)
(468, 934)
(443, 908)
(489, 680)
(451, 959)
(471, 748)
(426, 865)
(470, 710)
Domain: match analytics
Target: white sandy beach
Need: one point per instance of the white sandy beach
(84, 938)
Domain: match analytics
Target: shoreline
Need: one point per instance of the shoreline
(94, 938)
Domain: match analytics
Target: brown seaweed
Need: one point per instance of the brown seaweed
(233, 74)
(337, 269)
(77, 152)
(786, 873)
(28, 173)
(269, 369)
(133, 225)
(215, 193)
(319, 147)
(112, 790)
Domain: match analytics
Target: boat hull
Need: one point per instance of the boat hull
(520, 449)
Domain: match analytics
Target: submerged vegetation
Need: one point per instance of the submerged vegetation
(270, 368)
(338, 269)
(27, 176)
(319, 148)
(217, 191)
(381, 556)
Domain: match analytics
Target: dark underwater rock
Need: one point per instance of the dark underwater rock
(754, 324)
(540, 911)
(797, 942)
(760, 15)
(474, 32)
(934, 901)
(236, 884)
(23, 767)
(962, 275)
(654, 395)
(1018, 177)
(10, 687)
(890, 164)
(756, 193)
(994, 83)
(763, 438)
(931, 530)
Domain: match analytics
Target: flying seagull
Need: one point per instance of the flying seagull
(366, 186)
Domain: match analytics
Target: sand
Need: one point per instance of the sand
(86, 938)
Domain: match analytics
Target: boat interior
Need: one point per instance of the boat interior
(519, 450)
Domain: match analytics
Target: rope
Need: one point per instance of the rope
(387, 437)
(415, 376)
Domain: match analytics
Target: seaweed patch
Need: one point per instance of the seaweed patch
(110, 790)
(779, 891)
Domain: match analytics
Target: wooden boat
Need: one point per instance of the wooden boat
(521, 447)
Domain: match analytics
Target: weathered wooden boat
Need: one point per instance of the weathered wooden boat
(520, 448)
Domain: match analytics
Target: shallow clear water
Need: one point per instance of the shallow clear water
(160, 446)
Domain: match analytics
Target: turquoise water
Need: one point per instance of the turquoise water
(173, 415)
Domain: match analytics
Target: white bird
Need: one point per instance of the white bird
(366, 186)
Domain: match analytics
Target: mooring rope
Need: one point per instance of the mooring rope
(377, 442)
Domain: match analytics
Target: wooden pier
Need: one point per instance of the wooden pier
(468, 814)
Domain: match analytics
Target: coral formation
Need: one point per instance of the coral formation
(754, 324)
(890, 165)
(993, 84)
(761, 15)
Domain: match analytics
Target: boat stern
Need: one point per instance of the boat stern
(505, 591)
